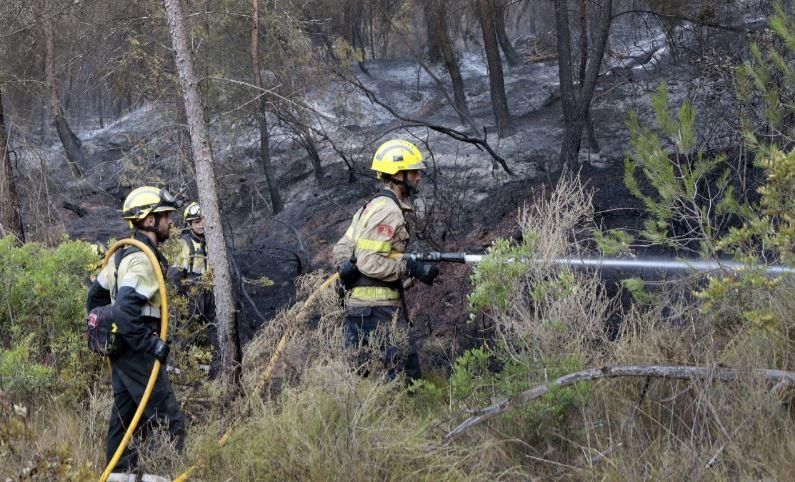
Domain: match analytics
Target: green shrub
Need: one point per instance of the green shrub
(43, 293)
(683, 212)
(496, 279)
(22, 379)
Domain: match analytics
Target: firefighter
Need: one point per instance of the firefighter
(375, 278)
(129, 283)
(187, 273)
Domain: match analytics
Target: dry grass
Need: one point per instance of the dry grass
(57, 442)
(319, 420)
(335, 425)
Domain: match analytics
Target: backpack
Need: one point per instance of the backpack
(103, 337)
(101, 330)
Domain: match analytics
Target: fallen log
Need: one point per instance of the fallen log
(781, 377)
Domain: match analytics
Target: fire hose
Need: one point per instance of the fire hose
(163, 335)
(661, 264)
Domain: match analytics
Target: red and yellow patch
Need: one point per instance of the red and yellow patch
(385, 230)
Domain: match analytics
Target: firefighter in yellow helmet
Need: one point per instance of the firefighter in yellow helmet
(377, 230)
(129, 283)
(186, 274)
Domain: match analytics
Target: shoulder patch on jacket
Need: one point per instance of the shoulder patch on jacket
(385, 230)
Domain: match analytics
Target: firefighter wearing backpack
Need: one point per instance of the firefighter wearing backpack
(129, 283)
(186, 274)
(375, 278)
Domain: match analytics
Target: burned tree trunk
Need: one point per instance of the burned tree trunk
(71, 143)
(592, 144)
(502, 36)
(437, 21)
(263, 155)
(308, 143)
(432, 30)
(10, 213)
(229, 342)
(577, 100)
(485, 14)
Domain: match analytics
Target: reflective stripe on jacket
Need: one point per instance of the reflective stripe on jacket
(136, 272)
(377, 229)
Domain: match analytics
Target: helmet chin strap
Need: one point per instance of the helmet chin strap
(153, 229)
(410, 190)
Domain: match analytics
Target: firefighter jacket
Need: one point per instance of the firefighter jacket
(134, 292)
(378, 229)
(192, 256)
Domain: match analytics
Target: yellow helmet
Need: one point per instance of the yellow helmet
(395, 156)
(191, 212)
(147, 200)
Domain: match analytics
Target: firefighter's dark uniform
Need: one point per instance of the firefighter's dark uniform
(377, 230)
(133, 292)
(190, 265)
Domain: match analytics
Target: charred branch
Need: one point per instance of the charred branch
(480, 143)
(655, 371)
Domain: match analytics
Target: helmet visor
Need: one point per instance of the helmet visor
(168, 202)
(194, 210)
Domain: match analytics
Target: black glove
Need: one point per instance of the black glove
(349, 273)
(425, 272)
(160, 350)
(175, 275)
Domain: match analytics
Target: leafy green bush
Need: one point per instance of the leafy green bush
(684, 213)
(43, 295)
(21, 377)
(766, 84)
(480, 375)
(496, 279)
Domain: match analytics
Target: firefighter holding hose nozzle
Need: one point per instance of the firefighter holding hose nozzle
(369, 262)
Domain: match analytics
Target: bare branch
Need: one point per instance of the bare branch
(409, 122)
(671, 372)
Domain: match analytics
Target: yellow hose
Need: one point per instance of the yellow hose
(277, 354)
(163, 335)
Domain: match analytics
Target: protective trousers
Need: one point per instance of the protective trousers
(129, 376)
(361, 324)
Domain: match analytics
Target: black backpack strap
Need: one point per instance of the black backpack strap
(386, 193)
(191, 251)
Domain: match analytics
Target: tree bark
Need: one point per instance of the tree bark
(496, 82)
(502, 36)
(576, 100)
(783, 378)
(437, 13)
(353, 12)
(208, 195)
(263, 155)
(308, 142)
(432, 11)
(10, 212)
(71, 143)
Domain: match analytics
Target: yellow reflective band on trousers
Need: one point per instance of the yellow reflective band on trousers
(374, 245)
(375, 293)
